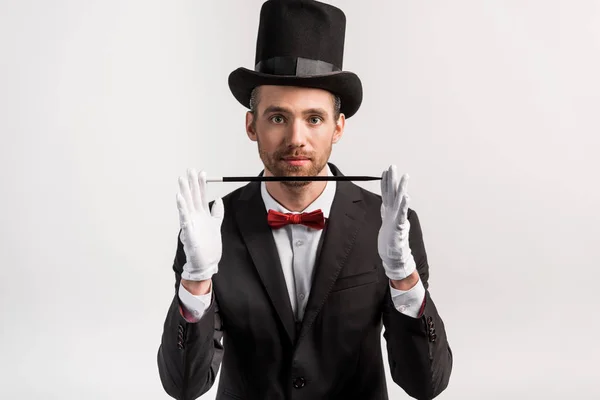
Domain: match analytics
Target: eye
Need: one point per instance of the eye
(278, 119)
(315, 120)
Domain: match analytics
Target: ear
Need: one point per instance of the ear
(249, 128)
(339, 128)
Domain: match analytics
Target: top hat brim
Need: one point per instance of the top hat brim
(344, 84)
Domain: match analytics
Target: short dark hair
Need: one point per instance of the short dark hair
(254, 100)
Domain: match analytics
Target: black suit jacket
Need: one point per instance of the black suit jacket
(335, 353)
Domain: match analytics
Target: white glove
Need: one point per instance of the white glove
(200, 227)
(392, 242)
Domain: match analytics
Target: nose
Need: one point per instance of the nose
(297, 134)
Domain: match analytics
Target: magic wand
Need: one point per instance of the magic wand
(291, 178)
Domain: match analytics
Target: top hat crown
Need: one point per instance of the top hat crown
(300, 43)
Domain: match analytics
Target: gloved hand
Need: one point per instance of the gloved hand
(200, 227)
(392, 242)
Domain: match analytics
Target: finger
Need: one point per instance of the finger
(394, 184)
(403, 198)
(203, 194)
(403, 212)
(384, 189)
(218, 210)
(184, 219)
(194, 189)
(403, 184)
(184, 189)
(389, 189)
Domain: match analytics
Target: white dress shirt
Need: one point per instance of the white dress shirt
(297, 247)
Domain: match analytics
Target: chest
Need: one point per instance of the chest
(257, 287)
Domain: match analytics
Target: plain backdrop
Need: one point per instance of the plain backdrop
(492, 107)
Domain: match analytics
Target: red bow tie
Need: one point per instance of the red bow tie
(313, 219)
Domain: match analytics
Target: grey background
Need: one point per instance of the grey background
(492, 107)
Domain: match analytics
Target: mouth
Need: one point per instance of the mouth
(296, 161)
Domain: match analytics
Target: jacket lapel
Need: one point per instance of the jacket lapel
(345, 219)
(251, 217)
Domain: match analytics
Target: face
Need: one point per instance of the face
(295, 129)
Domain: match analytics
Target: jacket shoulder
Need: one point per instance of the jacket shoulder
(230, 197)
(372, 199)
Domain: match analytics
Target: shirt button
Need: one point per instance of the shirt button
(299, 383)
(402, 308)
(299, 243)
(301, 296)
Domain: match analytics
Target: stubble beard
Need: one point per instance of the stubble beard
(274, 163)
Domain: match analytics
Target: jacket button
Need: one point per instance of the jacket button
(299, 383)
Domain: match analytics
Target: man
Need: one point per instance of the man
(297, 278)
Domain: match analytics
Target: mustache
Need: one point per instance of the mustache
(295, 153)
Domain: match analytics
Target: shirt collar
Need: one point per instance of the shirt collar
(322, 202)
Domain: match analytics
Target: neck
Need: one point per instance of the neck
(296, 197)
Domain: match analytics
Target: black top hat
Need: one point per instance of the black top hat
(300, 43)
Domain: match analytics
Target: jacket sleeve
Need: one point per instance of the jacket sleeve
(419, 355)
(190, 353)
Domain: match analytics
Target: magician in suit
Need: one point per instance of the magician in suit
(286, 286)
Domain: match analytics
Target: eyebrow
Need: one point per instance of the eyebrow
(271, 109)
